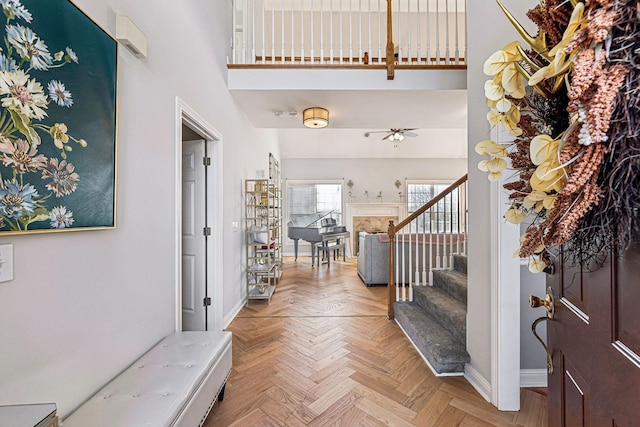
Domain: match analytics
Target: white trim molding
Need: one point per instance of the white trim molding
(186, 115)
(533, 378)
(505, 301)
(480, 383)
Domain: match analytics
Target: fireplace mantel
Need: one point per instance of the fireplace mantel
(398, 210)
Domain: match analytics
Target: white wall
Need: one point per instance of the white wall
(84, 305)
(486, 35)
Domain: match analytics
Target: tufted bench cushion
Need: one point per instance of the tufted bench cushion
(173, 384)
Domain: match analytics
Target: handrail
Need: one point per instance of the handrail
(393, 229)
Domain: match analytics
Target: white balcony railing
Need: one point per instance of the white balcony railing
(335, 32)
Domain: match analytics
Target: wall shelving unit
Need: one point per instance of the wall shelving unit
(263, 237)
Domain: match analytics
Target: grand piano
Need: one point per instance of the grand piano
(308, 229)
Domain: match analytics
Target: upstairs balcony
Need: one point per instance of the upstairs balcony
(346, 33)
(374, 64)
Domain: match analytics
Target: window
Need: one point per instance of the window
(308, 198)
(444, 215)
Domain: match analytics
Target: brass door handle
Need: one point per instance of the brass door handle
(548, 303)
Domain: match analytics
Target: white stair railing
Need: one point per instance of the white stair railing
(427, 240)
(303, 31)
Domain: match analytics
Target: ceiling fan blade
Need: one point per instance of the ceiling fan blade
(412, 134)
(387, 137)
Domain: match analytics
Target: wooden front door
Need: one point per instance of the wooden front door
(594, 340)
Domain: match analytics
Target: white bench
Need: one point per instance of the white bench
(174, 384)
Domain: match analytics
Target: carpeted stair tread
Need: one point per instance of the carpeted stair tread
(450, 312)
(453, 282)
(444, 352)
(460, 263)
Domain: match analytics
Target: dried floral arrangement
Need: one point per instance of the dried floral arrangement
(571, 101)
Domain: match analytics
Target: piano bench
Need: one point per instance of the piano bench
(327, 250)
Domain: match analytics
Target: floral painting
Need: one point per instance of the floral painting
(57, 119)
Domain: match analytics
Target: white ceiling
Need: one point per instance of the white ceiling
(369, 104)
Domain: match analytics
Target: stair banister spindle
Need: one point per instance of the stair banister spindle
(424, 249)
(302, 31)
(244, 31)
(284, 59)
(457, 51)
(446, 22)
(403, 275)
(311, 26)
(430, 246)
(264, 52)
(445, 250)
(273, 32)
(392, 293)
(458, 228)
(419, 38)
(360, 31)
(350, 32)
(293, 34)
(253, 33)
(428, 55)
(341, 49)
(409, 32)
(451, 236)
(438, 263)
(331, 31)
(369, 29)
(437, 31)
(379, 34)
(321, 33)
(398, 36)
(234, 5)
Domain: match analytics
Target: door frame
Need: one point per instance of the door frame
(505, 298)
(186, 115)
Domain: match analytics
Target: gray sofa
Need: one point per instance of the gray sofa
(373, 255)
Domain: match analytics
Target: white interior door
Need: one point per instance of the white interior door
(194, 240)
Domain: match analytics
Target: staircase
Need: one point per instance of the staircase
(436, 319)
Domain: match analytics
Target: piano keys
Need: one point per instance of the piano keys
(308, 229)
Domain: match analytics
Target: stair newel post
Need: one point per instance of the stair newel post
(392, 274)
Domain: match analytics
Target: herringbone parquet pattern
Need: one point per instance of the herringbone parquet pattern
(324, 354)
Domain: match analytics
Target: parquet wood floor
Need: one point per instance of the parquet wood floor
(324, 354)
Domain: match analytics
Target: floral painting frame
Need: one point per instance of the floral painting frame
(58, 76)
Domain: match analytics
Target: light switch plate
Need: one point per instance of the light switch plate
(6, 262)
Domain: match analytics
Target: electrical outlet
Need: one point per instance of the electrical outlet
(6, 262)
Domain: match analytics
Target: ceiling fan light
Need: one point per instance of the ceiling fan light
(391, 137)
(400, 137)
(315, 117)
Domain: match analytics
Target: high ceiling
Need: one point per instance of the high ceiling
(437, 109)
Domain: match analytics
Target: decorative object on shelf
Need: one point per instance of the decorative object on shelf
(574, 129)
(58, 118)
(379, 196)
(315, 117)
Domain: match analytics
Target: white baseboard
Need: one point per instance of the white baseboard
(533, 378)
(478, 382)
(233, 313)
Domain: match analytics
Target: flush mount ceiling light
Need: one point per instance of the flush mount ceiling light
(315, 117)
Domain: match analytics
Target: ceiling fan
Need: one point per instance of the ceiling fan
(394, 134)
